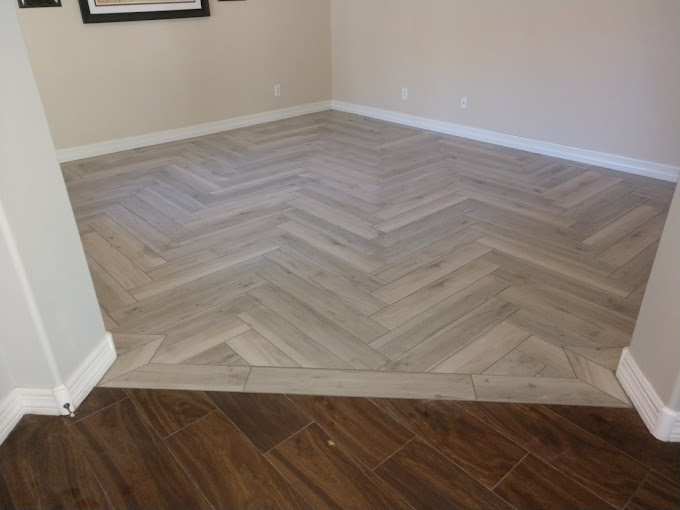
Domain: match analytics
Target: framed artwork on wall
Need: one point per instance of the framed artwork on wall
(104, 11)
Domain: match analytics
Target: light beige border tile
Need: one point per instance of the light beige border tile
(358, 383)
(183, 377)
(540, 390)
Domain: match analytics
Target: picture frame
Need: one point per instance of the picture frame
(28, 4)
(107, 11)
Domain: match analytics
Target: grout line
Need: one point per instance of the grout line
(448, 253)
(629, 234)
(132, 234)
(141, 345)
(99, 482)
(312, 422)
(385, 482)
(628, 405)
(593, 435)
(192, 423)
(283, 477)
(102, 409)
(509, 471)
(546, 461)
(262, 305)
(434, 446)
(101, 266)
(144, 417)
(446, 327)
(250, 371)
(156, 331)
(636, 489)
(395, 451)
(351, 455)
(571, 347)
(184, 469)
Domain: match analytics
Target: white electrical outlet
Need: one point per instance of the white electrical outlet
(277, 90)
(404, 94)
(463, 103)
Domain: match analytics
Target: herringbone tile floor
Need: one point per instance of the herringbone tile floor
(341, 255)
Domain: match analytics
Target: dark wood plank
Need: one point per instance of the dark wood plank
(134, 467)
(43, 469)
(656, 492)
(625, 430)
(427, 479)
(535, 484)
(98, 399)
(477, 448)
(170, 411)
(6, 502)
(328, 476)
(601, 468)
(358, 425)
(266, 419)
(228, 469)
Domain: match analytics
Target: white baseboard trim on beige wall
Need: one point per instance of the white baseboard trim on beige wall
(662, 421)
(622, 163)
(602, 159)
(173, 135)
(50, 401)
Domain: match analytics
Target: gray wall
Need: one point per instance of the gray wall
(50, 319)
(6, 381)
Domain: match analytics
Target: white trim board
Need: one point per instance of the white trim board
(91, 370)
(11, 411)
(50, 401)
(602, 159)
(173, 135)
(662, 421)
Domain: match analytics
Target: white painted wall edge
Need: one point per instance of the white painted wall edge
(49, 401)
(173, 135)
(662, 422)
(602, 159)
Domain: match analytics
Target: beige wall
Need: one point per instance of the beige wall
(656, 341)
(101, 82)
(601, 75)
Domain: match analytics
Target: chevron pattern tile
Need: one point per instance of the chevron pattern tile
(341, 255)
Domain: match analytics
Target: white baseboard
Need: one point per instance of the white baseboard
(23, 401)
(602, 159)
(662, 422)
(91, 370)
(50, 401)
(630, 165)
(173, 135)
(11, 412)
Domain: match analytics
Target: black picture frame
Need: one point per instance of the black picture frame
(28, 4)
(88, 17)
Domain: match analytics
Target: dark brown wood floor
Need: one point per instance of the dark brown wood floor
(180, 450)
